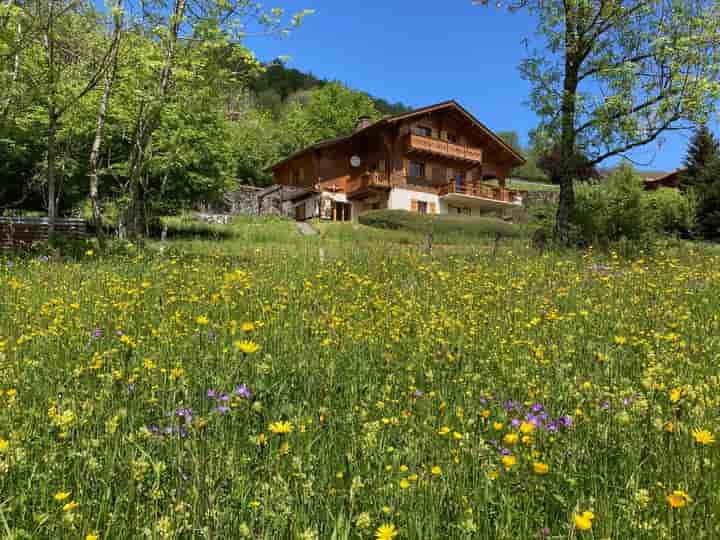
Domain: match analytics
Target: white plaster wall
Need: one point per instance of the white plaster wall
(400, 199)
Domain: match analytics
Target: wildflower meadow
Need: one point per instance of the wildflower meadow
(373, 392)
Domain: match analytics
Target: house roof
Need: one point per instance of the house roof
(664, 178)
(452, 104)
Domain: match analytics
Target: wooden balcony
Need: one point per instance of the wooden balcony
(480, 195)
(367, 185)
(437, 147)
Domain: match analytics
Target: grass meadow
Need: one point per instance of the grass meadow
(265, 385)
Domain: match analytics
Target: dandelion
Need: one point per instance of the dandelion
(404, 484)
(247, 327)
(281, 427)
(247, 347)
(61, 496)
(584, 521)
(386, 531)
(436, 470)
(540, 468)
(678, 499)
(69, 507)
(92, 537)
(4, 446)
(443, 431)
(202, 320)
(703, 436)
(508, 462)
(511, 438)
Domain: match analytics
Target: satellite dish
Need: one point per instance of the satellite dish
(355, 161)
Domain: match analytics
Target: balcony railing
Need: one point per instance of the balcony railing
(483, 191)
(368, 182)
(447, 149)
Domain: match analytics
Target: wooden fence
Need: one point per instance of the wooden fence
(18, 232)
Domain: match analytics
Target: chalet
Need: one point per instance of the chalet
(668, 180)
(434, 160)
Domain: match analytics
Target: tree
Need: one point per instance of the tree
(702, 151)
(708, 211)
(324, 113)
(614, 75)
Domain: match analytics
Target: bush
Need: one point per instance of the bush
(439, 225)
(670, 211)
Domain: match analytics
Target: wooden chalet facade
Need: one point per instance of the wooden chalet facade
(433, 160)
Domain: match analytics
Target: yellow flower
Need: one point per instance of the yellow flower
(676, 394)
(583, 522)
(247, 327)
(619, 340)
(436, 470)
(92, 537)
(443, 430)
(247, 347)
(540, 468)
(527, 427)
(497, 426)
(386, 531)
(511, 438)
(404, 484)
(69, 507)
(61, 495)
(89, 253)
(281, 427)
(508, 462)
(202, 319)
(4, 445)
(703, 436)
(678, 499)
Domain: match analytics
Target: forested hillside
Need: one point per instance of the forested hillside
(150, 114)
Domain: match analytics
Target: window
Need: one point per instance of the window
(451, 137)
(417, 169)
(424, 131)
(459, 180)
(422, 207)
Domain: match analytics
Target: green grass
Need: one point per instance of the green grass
(526, 185)
(398, 372)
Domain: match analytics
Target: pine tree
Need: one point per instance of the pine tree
(702, 151)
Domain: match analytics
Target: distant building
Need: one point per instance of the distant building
(671, 180)
(434, 160)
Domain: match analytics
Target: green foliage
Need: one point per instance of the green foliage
(440, 226)
(323, 113)
(702, 151)
(708, 207)
(620, 209)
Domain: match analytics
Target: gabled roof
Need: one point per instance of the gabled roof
(452, 104)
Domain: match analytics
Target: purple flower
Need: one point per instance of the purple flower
(419, 393)
(505, 452)
(605, 405)
(185, 413)
(515, 422)
(223, 397)
(566, 421)
(222, 409)
(545, 532)
(211, 393)
(97, 333)
(552, 426)
(537, 407)
(243, 391)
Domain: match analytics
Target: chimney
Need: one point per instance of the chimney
(362, 123)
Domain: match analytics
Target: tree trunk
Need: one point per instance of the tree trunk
(52, 119)
(147, 124)
(100, 124)
(567, 171)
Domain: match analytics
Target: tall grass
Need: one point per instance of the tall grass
(462, 394)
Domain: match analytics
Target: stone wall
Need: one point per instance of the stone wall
(532, 198)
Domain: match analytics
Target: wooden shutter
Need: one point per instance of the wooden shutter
(443, 135)
(302, 175)
(435, 133)
(413, 205)
(428, 171)
(381, 165)
(433, 207)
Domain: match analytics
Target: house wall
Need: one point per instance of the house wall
(402, 199)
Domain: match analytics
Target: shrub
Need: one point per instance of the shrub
(670, 211)
(439, 225)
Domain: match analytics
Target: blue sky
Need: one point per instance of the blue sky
(424, 51)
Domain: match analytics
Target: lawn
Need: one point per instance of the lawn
(260, 387)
